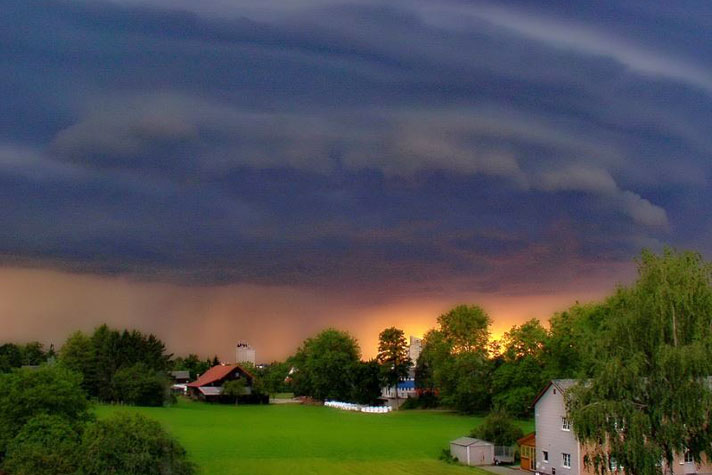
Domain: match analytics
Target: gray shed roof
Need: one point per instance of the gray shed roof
(181, 374)
(469, 441)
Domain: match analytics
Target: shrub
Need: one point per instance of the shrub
(46, 444)
(140, 385)
(499, 429)
(27, 393)
(131, 444)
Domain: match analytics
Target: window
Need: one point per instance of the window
(566, 460)
(565, 424)
(546, 456)
(689, 458)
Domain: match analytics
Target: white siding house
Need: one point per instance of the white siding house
(557, 450)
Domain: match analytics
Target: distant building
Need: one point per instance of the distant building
(208, 387)
(244, 353)
(414, 349)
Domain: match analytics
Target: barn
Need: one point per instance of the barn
(208, 387)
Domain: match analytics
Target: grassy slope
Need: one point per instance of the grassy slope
(292, 439)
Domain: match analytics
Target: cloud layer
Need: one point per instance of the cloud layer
(353, 145)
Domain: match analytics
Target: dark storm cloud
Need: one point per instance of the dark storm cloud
(352, 143)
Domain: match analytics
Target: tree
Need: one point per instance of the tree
(10, 357)
(100, 356)
(33, 354)
(45, 444)
(77, 354)
(454, 359)
(393, 357)
(274, 377)
(498, 428)
(521, 371)
(140, 385)
(648, 397)
(367, 382)
(235, 388)
(568, 350)
(128, 444)
(324, 365)
(27, 393)
(466, 327)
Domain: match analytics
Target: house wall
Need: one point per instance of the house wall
(550, 436)
(680, 467)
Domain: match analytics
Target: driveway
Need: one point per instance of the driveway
(502, 469)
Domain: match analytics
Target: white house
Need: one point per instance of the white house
(557, 450)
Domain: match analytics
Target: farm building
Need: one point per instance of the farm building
(471, 451)
(208, 387)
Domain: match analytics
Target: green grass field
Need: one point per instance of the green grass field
(295, 440)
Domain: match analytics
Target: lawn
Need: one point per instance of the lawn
(294, 439)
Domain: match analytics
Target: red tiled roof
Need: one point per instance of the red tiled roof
(216, 373)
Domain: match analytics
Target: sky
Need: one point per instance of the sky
(258, 170)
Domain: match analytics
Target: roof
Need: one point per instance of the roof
(469, 441)
(217, 373)
(181, 374)
(529, 439)
(211, 390)
(561, 384)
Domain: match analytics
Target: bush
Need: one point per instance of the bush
(140, 385)
(27, 393)
(426, 400)
(46, 444)
(131, 444)
(499, 429)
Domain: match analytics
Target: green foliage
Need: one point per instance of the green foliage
(33, 354)
(367, 383)
(10, 357)
(521, 371)
(49, 390)
(140, 385)
(324, 365)
(274, 377)
(191, 363)
(498, 428)
(131, 444)
(393, 356)
(45, 444)
(454, 359)
(648, 396)
(235, 388)
(466, 328)
(572, 334)
(100, 356)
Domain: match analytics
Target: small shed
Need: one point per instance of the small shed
(527, 452)
(471, 451)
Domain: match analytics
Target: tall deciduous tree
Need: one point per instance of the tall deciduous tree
(393, 356)
(521, 372)
(455, 360)
(649, 398)
(324, 365)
